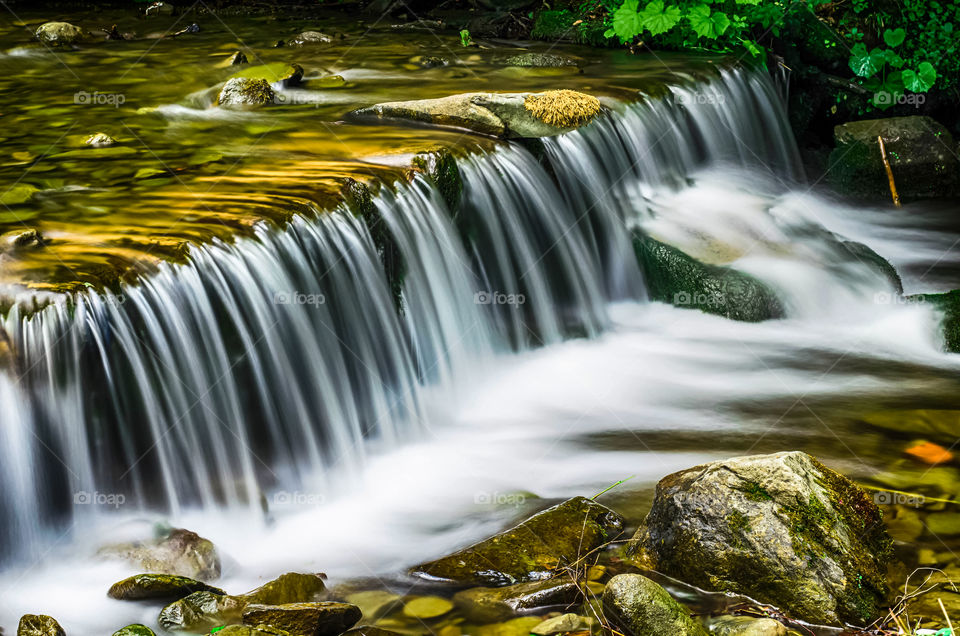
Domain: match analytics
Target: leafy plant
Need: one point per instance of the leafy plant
(883, 73)
(465, 39)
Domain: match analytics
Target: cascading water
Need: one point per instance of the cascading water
(278, 363)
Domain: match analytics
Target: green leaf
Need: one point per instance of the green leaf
(657, 19)
(748, 2)
(626, 21)
(921, 80)
(894, 37)
(706, 24)
(891, 58)
(866, 64)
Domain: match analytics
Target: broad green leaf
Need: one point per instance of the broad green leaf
(891, 58)
(706, 24)
(721, 22)
(863, 63)
(748, 1)
(657, 19)
(921, 80)
(894, 37)
(626, 21)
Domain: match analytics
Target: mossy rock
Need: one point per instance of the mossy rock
(157, 586)
(783, 529)
(134, 630)
(243, 92)
(292, 587)
(492, 604)
(440, 166)
(427, 607)
(59, 34)
(201, 612)
(674, 277)
(39, 625)
(948, 304)
(247, 630)
(179, 552)
(279, 72)
(642, 607)
(874, 261)
(313, 619)
(532, 550)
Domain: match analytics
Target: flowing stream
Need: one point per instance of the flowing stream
(269, 395)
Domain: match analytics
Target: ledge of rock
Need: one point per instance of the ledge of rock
(511, 115)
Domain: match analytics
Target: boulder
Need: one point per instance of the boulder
(279, 73)
(948, 304)
(157, 586)
(563, 624)
(921, 153)
(747, 626)
(511, 115)
(100, 140)
(783, 529)
(247, 630)
(533, 59)
(309, 38)
(59, 34)
(242, 92)
(201, 612)
(532, 550)
(24, 238)
(134, 630)
(179, 552)
(39, 625)
(674, 277)
(493, 604)
(292, 587)
(643, 608)
(313, 619)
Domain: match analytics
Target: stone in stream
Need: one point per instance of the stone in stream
(674, 277)
(134, 630)
(282, 73)
(242, 92)
(375, 603)
(307, 619)
(247, 630)
(921, 153)
(39, 625)
(292, 587)
(159, 8)
(746, 626)
(783, 529)
(427, 607)
(201, 612)
(533, 59)
(643, 608)
(308, 38)
(237, 59)
(493, 604)
(512, 115)
(948, 305)
(23, 238)
(158, 586)
(563, 624)
(59, 34)
(531, 551)
(100, 140)
(179, 552)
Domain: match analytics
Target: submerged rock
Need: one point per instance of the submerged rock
(514, 115)
(532, 550)
(247, 630)
(492, 604)
(59, 34)
(134, 630)
(237, 59)
(157, 586)
(427, 607)
(375, 603)
(180, 552)
(20, 239)
(783, 529)
(292, 587)
(200, 612)
(746, 626)
(921, 153)
(563, 624)
(539, 60)
(39, 625)
(314, 619)
(282, 73)
(948, 304)
(643, 608)
(241, 92)
(308, 38)
(674, 277)
(100, 140)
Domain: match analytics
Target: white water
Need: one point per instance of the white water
(380, 440)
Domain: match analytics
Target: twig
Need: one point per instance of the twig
(886, 164)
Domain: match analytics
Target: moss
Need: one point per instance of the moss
(440, 166)
(948, 304)
(755, 492)
(563, 108)
(158, 586)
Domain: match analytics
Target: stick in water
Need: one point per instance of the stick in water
(886, 164)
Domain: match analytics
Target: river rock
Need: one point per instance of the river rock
(159, 8)
(59, 34)
(533, 549)
(292, 587)
(783, 529)
(279, 73)
(157, 586)
(237, 59)
(247, 630)
(308, 38)
(24, 238)
(533, 59)
(179, 552)
(674, 277)
(643, 608)
(100, 140)
(241, 92)
(493, 604)
(375, 603)
(563, 624)
(309, 619)
(39, 625)
(427, 607)
(513, 115)
(200, 612)
(746, 626)
(920, 150)
(134, 630)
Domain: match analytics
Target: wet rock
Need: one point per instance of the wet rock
(879, 264)
(159, 8)
(783, 529)
(310, 38)
(427, 607)
(563, 624)
(430, 61)
(247, 630)
(532, 550)
(237, 59)
(919, 149)
(242, 92)
(134, 630)
(492, 604)
(374, 603)
(643, 608)
(59, 34)
(292, 587)
(279, 73)
(515, 115)
(316, 619)
(369, 630)
(100, 140)
(187, 30)
(157, 586)
(746, 626)
(179, 552)
(538, 60)
(24, 238)
(39, 625)
(513, 627)
(948, 304)
(200, 612)
(674, 277)
(321, 83)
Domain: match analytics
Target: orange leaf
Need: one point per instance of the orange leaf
(930, 453)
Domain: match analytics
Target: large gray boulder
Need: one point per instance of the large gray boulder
(920, 150)
(643, 608)
(59, 34)
(512, 115)
(783, 529)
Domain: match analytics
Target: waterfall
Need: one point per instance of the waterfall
(279, 362)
